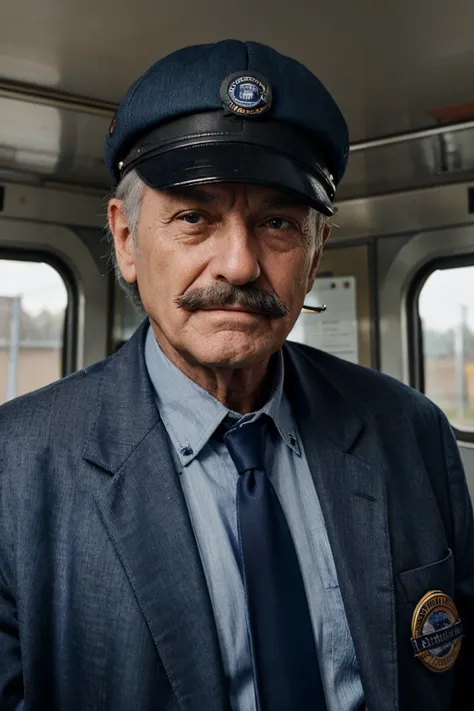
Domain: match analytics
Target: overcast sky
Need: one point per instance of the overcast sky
(40, 286)
(440, 300)
(442, 296)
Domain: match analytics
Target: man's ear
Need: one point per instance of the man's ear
(123, 240)
(317, 257)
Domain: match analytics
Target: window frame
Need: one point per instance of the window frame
(70, 332)
(416, 373)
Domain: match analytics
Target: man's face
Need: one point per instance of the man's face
(222, 269)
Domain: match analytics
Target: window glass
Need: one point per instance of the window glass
(446, 308)
(33, 302)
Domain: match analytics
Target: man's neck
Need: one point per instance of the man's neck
(242, 390)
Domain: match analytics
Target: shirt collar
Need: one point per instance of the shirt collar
(191, 415)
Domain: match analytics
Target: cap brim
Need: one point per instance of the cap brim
(234, 163)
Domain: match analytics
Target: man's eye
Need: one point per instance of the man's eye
(278, 223)
(192, 218)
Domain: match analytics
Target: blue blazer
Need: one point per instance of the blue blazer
(103, 600)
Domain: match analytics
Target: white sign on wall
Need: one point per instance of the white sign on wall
(333, 330)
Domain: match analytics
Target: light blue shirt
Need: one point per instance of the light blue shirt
(209, 480)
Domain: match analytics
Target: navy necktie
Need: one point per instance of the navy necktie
(283, 648)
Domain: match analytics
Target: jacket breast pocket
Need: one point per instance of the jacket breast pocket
(438, 575)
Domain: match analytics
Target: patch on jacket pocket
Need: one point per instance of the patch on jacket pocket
(436, 631)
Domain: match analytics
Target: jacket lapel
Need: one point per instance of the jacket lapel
(143, 509)
(349, 475)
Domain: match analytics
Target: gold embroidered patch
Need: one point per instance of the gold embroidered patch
(436, 631)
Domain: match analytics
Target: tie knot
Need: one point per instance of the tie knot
(246, 445)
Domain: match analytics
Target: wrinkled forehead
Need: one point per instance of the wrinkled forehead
(227, 196)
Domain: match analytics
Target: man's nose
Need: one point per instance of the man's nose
(236, 255)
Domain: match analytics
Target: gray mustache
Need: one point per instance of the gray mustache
(224, 294)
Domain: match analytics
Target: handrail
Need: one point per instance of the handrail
(408, 136)
(74, 102)
(56, 99)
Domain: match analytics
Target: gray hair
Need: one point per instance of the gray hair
(131, 190)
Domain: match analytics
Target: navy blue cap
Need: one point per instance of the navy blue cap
(231, 112)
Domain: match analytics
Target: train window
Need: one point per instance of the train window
(446, 321)
(33, 303)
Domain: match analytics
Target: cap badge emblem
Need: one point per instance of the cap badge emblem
(246, 94)
(436, 631)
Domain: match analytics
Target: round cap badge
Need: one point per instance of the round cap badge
(246, 94)
(436, 631)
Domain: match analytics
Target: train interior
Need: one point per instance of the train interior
(397, 276)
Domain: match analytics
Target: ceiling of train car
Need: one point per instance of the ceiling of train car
(388, 63)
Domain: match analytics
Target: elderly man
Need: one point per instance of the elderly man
(214, 519)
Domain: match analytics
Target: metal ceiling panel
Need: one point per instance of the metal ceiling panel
(45, 144)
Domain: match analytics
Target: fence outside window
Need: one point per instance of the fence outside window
(33, 302)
